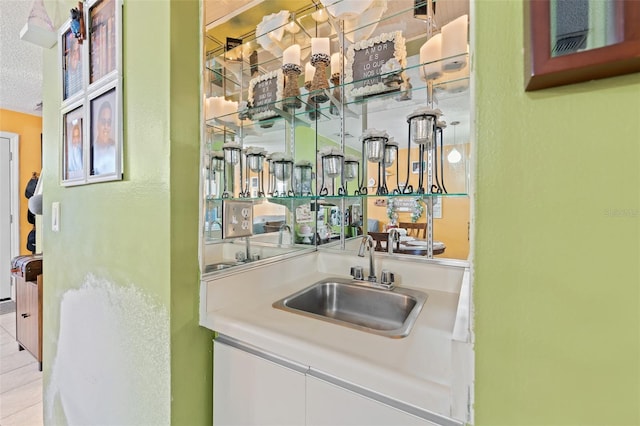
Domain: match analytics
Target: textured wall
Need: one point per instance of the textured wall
(129, 248)
(557, 302)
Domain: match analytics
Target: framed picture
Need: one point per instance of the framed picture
(71, 55)
(264, 92)
(254, 187)
(368, 62)
(105, 159)
(73, 145)
(572, 42)
(415, 167)
(104, 39)
(91, 108)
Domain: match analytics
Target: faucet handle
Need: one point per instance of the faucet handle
(387, 277)
(357, 273)
(241, 256)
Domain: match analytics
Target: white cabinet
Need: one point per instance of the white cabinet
(252, 387)
(328, 404)
(250, 390)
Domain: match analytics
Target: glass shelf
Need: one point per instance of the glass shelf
(330, 198)
(378, 101)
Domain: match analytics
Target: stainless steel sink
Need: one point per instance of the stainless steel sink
(219, 266)
(356, 304)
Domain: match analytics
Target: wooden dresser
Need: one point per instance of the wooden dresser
(29, 306)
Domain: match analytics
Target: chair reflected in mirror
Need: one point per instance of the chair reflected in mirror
(415, 229)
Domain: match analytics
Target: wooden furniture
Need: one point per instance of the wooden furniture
(380, 238)
(273, 226)
(416, 230)
(29, 316)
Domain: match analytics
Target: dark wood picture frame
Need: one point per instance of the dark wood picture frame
(543, 70)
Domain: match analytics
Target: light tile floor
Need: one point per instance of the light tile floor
(20, 380)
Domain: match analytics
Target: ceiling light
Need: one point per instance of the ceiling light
(454, 155)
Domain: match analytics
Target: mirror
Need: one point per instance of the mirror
(309, 185)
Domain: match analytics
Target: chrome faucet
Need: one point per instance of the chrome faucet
(285, 227)
(367, 243)
(248, 248)
(394, 236)
(246, 256)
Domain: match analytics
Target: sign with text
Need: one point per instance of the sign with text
(264, 92)
(366, 62)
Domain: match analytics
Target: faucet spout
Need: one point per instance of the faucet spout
(368, 244)
(394, 236)
(284, 227)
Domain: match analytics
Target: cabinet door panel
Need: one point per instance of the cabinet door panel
(328, 404)
(22, 307)
(249, 390)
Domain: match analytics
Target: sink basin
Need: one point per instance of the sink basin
(356, 304)
(219, 266)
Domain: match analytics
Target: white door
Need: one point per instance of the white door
(5, 218)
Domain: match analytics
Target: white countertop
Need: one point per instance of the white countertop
(417, 369)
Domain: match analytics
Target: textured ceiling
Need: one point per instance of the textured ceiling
(20, 61)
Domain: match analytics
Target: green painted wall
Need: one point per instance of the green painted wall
(191, 345)
(141, 232)
(557, 235)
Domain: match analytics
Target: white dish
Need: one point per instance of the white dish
(411, 247)
(418, 243)
(422, 245)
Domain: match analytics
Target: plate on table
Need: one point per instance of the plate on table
(406, 238)
(417, 243)
(414, 248)
(420, 245)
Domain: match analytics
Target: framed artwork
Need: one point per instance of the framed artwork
(254, 187)
(104, 152)
(104, 40)
(415, 167)
(369, 61)
(91, 107)
(73, 145)
(572, 42)
(264, 91)
(71, 55)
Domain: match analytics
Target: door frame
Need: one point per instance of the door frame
(14, 166)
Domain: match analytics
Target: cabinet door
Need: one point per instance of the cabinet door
(328, 404)
(250, 390)
(28, 314)
(22, 309)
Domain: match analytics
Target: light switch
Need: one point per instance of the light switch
(55, 216)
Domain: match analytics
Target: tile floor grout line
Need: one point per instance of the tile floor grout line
(22, 385)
